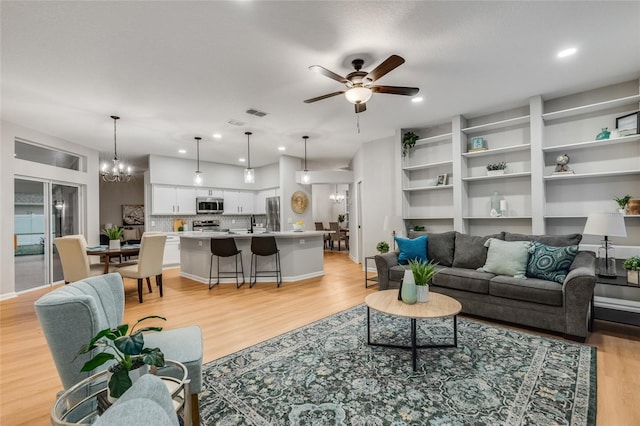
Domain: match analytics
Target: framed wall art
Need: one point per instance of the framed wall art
(132, 214)
(628, 124)
(477, 144)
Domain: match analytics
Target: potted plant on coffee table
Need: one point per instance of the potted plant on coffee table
(423, 272)
(114, 234)
(632, 265)
(382, 247)
(127, 350)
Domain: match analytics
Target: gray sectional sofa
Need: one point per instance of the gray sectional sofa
(549, 305)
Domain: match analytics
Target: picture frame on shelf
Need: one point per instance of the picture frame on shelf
(628, 124)
(441, 179)
(477, 143)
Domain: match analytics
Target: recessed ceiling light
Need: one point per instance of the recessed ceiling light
(567, 52)
(182, 151)
(417, 99)
(282, 148)
(217, 135)
(242, 160)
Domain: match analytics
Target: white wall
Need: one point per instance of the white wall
(324, 210)
(11, 168)
(114, 195)
(288, 168)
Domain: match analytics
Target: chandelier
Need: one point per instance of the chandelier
(305, 173)
(197, 179)
(117, 171)
(336, 197)
(249, 173)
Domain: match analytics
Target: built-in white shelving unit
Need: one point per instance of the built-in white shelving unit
(429, 188)
(504, 176)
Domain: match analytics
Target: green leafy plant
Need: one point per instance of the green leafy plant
(632, 263)
(114, 233)
(423, 272)
(340, 218)
(622, 201)
(497, 166)
(408, 141)
(382, 247)
(126, 349)
(418, 228)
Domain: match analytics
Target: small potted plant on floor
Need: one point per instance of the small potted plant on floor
(632, 265)
(494, 169)
(408, 141)
(423, 272)
(132, 358)
(622, 203)
(114, 234)
(382, 247)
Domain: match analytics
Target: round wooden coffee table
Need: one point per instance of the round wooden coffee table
(438, 306)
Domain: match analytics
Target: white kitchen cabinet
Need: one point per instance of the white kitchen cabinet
(171, 251)
(260, 198)
(238, 202)
(209, 192)
(173, 200)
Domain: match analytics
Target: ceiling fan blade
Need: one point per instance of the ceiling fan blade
(389, 64)
(360, 107)
(319, 98)
(395, 90)
(327, 73)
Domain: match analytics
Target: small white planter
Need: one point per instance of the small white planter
(114, 244)
(423, 293)
(495, 172)
(633, 277)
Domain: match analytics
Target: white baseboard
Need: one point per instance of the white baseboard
(617, 304)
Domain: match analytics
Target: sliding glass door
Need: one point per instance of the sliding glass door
(43, 210)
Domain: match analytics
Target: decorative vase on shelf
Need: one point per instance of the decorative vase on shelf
(114, 244)
(604, 134)
(409, 292)
(422, 293)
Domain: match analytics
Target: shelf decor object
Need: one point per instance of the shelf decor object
(408, 141)
(441, 179)
(632, 265)
(562, 165)
(117, 172)
(604, 134)
(608, 225)
(478, 144)
(622, 203)
(628, 124)
(496, 169)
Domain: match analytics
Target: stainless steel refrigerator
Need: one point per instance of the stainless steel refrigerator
(272, 208)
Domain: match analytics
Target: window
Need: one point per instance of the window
(44, 155)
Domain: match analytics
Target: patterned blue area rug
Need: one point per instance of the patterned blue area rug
(326, 374)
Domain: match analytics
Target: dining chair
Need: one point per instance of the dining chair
(72, 250)
(264, 246)
(70, 316)
(336, 235)
(149, 262)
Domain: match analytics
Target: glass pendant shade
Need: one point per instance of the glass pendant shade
(358, 95)
(119, 172)
(197, 178)
(305, 176)
(249, 175)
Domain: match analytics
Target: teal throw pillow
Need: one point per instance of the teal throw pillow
(506, 257)
(410, 249)
(550, 263)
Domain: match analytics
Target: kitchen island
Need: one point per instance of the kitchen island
(301, 255)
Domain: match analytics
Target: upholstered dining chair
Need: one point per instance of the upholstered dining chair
(149, 262)
(336, 235)
(71, 315)
(72, 250)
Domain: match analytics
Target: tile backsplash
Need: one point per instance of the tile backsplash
(165, 223)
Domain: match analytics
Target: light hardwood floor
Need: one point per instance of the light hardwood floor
(233, 319)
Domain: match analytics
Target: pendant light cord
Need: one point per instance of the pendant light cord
(248, 150)
(305, 152)
(115, 144)
(197, 138)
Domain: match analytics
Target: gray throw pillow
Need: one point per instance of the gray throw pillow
(440, 246)
(470, 252)
(550, 240)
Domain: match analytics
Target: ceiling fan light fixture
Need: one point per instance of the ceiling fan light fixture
(358, 94)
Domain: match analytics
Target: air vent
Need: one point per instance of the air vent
(256, 112)
(236, 122)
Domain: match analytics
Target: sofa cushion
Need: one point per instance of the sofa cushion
(396, 273)
(507, 257)
(410, 249)
(439, 246)
(469, 250)
(463, 279)
(550, 240)
(531, 290)
(550, 263)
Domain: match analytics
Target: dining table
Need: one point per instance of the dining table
(106, 253)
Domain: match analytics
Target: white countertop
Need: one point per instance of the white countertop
(216, 234)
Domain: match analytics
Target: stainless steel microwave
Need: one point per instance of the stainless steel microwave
(209, 205)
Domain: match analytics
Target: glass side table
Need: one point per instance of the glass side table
(84, 402)
(367, 278)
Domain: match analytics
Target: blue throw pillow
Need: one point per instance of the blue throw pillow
(550, 263)
(410, 249)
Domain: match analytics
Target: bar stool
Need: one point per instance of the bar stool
(225, 247)
(264, 246)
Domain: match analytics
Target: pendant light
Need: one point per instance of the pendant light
(197, 179)
(249, 173)
(117, 172)
(336, 197)
(305, 173)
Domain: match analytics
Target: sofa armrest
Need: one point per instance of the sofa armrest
(577, 291)
(384, 262)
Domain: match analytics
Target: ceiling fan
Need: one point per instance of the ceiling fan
(360, 83)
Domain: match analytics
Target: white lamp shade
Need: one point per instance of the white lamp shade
(394, 223)
(606, 224)
(358, 95)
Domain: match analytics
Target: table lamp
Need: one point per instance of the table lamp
(609, 225)
(393, 224)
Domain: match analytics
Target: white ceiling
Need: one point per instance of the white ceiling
(175, 69)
